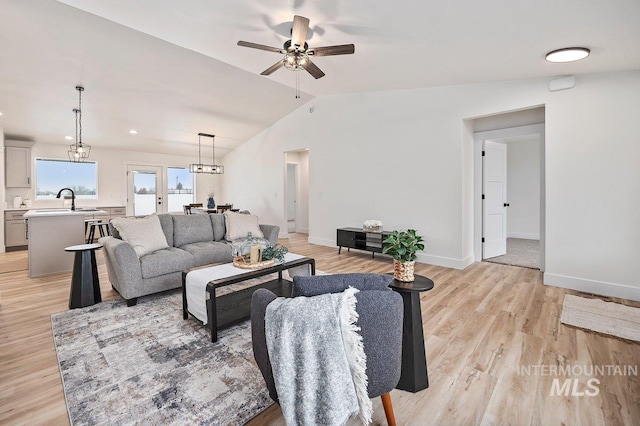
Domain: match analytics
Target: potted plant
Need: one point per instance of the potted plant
(402, 247)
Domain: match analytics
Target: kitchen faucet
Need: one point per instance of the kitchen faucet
(73, 197)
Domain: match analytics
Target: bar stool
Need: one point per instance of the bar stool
(101, 228)
(86, 226)
(85, 285)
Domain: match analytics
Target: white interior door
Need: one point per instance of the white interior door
(494, 212)
(144, 190)
(292, 197)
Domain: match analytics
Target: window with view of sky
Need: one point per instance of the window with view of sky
(53, 175)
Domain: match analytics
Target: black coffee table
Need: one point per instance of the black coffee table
(413, 376)
(232, 308)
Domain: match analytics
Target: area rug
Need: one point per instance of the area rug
(520, 252)
(146, 365)
(604, 317)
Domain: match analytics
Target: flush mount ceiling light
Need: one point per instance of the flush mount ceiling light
(567, 54)
(79, 151)
(212, 168)
(133, 132)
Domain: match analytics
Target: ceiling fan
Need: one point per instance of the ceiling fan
(297, 52)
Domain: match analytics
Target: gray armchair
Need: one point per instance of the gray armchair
(380, 313)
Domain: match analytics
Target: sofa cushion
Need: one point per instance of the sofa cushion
(315, 285)
(239, 225)
(165, 261)
(217, 220)
(191, 228)
(208, 252)
(145, 235)
(166, 221)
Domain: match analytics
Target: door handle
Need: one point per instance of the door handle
(506, 204)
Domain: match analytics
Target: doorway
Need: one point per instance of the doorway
(292, 196)
(510, 188)
(296, 191)
(144, 190)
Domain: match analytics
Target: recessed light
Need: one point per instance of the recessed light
(133, 132)
(0, 113)
(567, 54)
(69, 138)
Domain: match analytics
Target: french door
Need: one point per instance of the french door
(144, 190)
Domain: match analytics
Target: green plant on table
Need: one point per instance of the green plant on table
(277, 252)
(403, 245)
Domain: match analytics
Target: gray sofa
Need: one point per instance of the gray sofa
(194, 240)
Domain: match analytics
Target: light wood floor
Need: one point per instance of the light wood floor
(481, 325)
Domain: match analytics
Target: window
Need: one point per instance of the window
(180, 188)
(53, 175)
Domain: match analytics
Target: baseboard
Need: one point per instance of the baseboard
(447, 262)
(594, 287)
(468, 261)
(523, 235)
(322, 241)
(303, 230)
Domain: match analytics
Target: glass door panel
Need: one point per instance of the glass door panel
(144, 192)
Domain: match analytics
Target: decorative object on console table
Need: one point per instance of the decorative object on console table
(402, 247)
(372, 226)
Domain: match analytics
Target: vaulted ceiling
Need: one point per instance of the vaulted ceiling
(171, 69)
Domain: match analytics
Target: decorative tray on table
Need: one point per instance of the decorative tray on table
(242, 262)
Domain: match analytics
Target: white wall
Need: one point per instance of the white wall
(404, 156)
(112, 178)
(2, 190)
(523, 189)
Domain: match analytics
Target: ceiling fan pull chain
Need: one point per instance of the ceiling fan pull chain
(297, 85)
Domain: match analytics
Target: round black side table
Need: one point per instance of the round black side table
(413, 376)
(85, 285)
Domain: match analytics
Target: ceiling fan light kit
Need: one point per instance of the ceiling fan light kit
(297, 52)
(567, 54)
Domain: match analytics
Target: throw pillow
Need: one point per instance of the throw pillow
(238, 225)
(145, 235)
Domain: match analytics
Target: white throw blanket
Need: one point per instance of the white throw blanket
(317, 357)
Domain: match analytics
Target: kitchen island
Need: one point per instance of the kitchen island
(49, 231)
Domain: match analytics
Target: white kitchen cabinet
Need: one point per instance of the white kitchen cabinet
(17, 167)
(15, 229)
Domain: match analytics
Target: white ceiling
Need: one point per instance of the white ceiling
(172, 69)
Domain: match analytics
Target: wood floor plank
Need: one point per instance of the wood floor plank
(481, 326)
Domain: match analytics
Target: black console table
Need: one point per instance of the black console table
(356, 238)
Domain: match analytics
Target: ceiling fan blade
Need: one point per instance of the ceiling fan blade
(273, 68)
(260, 46)
(342, 49)
(313, 69)
(299, 31)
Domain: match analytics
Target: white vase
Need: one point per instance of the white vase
(17, 200)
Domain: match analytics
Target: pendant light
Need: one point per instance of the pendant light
(79, 151)
(212, 168)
